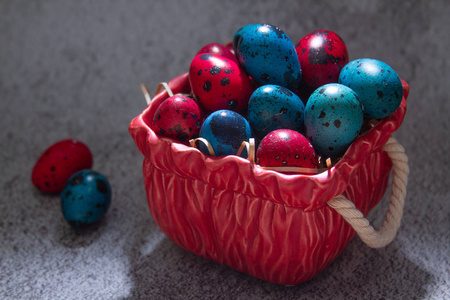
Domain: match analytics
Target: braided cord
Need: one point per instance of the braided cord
(388, 230)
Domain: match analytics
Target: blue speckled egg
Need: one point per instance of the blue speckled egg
(85, 198)
(268, 55)
(274, 107)
(225, 130)
(378, 86)
(333, 119)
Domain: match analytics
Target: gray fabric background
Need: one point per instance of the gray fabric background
(72, 69)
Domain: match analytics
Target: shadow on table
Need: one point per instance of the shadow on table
(72, 237)
(161, 269)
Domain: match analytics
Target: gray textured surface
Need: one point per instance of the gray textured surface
(73, 69)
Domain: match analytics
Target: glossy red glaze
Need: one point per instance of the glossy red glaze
(286, 148)
(219, 83)
(270, 225)
(58, 162)
(322, 55)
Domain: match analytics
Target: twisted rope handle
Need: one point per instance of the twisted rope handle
(383, 236)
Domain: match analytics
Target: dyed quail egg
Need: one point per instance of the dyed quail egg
(225, 130)
(85, 198)
(178, 117)
(58, 162)
(286, 148)
(219, 83)
(268, 55)
(322, 55)
(333, 119)
(274, 107)
(219, 50)
(378, 86)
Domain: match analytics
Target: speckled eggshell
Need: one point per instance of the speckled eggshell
(218, 49)
(378, 86)
(219, 83)
(268, 55)
(286, 148)
(333, 119)
(58, 162)
(178, 117)
(85, 198)
(225, 130)
(274, 107)
(322, 55)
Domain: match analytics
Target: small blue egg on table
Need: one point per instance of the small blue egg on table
(85, 198)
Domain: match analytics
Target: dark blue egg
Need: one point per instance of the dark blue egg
(378, 86)
(225, 130)
(85, 198)
(274, 107)
(268, 55)
(333, 119)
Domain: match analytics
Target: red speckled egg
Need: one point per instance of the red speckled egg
(322, 55)
(219, 83)
(58, 162)
(178, 117)
(219, 50)
(286, 148)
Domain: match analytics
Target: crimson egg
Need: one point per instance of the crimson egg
(58, 162)
(322, 55)
(219, 83)
(218, 49)
(178, 117)
(286, 147)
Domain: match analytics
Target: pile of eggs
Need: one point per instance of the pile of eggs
(300, 102)
(65, 168)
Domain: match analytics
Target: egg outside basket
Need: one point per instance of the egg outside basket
(280, 228)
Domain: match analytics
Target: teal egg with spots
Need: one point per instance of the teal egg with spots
(274, 107)
(378, 86)
(333, 119)
(225, 130)
(268, 55)
(85, 198)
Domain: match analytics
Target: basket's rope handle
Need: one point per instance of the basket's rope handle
(388, 230)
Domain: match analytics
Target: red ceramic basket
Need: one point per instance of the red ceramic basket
(280, 228)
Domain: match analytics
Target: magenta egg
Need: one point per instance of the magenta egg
(322, 55)
(178, 117)
(286, 148)
(219, 83)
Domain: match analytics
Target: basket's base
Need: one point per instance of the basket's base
(272, 242)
